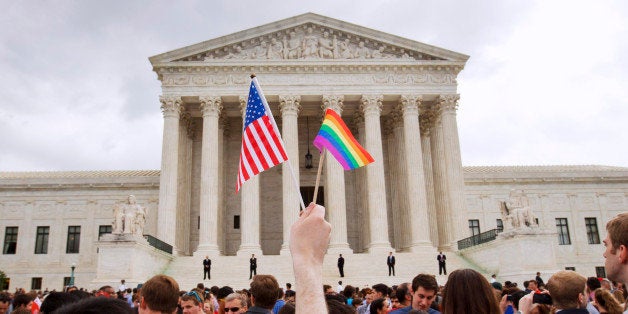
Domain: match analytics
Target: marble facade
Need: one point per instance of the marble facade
(400, 99)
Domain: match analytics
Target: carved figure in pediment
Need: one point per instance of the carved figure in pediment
(344, 50)
(378, 53)
(275, 51)
(237, 53)
(362, 52)
(326, 46)
(405, 55)
(310, 44)
(292, 46)
(261, 51)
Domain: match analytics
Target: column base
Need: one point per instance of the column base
(206, 250)
(247, 250)
(380, 247)
(420, 247)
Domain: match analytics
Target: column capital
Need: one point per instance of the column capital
(427, 119)
(290, 104)
(210, 106)
(410, 104)
(372, 104)
(170, 105)
(448, 102)
(334, 102)
(189, 124)
(243, 100)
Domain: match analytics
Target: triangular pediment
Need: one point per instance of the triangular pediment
(308, 37)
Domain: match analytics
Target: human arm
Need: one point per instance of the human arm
(309, 238)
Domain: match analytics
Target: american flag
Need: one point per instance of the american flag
(262, 147)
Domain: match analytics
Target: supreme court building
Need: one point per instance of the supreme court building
(399, 98)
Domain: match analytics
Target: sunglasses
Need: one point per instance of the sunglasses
(195, 295)
(232, 309)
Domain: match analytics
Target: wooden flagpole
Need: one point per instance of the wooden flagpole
(318, 174)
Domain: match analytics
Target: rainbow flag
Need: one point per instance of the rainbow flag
(338, 140)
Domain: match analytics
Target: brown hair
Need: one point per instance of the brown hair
(467, 291)
(428, 282)
(161, 293)
(264, 291)
(618, 231)
(606, 300)
(564, 287)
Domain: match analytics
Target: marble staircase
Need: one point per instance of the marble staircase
(361, 270)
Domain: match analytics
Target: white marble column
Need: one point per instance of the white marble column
(249, 210)
(360, 181)
(335, 201)
(167, 210)
(289, 106)
(441, 197)
(396, 167)
(208, 233)
(426, 119)
(223, 135)
(184, 194)
(414, 176)
(455, 176)
(376, 184)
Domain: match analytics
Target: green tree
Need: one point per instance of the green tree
(3, 281)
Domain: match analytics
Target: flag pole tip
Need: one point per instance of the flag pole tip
(252, 75)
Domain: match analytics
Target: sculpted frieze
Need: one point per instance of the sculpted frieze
(309, 41)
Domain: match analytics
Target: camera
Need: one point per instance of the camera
(509, 298)
(542, 298)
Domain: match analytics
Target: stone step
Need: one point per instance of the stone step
(361, 270)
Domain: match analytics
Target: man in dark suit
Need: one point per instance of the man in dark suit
(252, 266)
(442, 266)
(391, 264)
(207, 268)
(341, 265)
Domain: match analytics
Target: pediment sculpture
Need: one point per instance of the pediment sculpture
(309, 42)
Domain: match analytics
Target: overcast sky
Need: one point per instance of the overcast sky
(546, 84)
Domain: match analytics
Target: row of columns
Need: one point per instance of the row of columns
(428, 188)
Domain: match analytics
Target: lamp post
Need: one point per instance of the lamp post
(72, 274)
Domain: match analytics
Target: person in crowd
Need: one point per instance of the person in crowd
(538, 279)
(340, 288)
(366, 303)
(381, 290)
(280, 301)
(289, 288)
(424, 289)
(207, 268)
(236, 303)
(467, 291)
(309, 239)
(160, 294)
(106, 291)
(567, 289)
(390, 261)
(23, 301)
(616, 253)
(5, 302)
(287, 309)
(263, 293)
(192, 302)
(404, 295)
(122, 286)
(55, 300)
(96, 306)
(605, 302)
(379, 306)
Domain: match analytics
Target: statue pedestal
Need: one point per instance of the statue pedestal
(516, 255)
(128, 257)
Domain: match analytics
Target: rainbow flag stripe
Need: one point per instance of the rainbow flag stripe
(338, 140)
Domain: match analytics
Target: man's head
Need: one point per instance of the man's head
(538, 273)
(592, 284)
(236, 303)
(5, 301)
(389, 253)
(532, 285)
(404, 294)
(606, 284)
(327, 289)
(288, 286)
(106, 291)
(264, 291)
(616, 253)
(381, 290)
(252, 255)
(206, 257)
(567, 290)
(192, 302)
(160, 293)
(424, 289)
(340, 255)
(340, 282)
(23, 300)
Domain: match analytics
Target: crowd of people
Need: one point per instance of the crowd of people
(466, 290)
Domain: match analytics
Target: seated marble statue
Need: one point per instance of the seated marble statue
(129, 217)
(516, 211)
